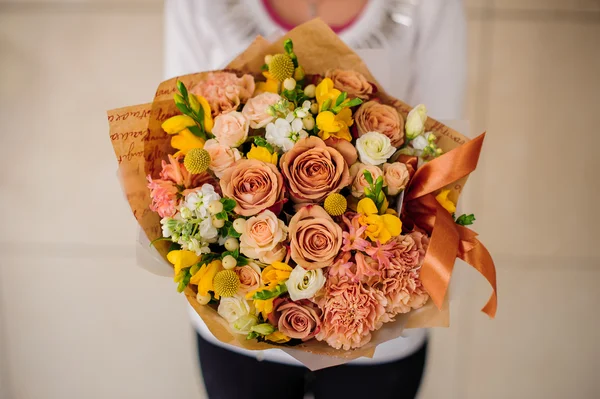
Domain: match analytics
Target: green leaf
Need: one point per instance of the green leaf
(207, 258)
(288, 46)
(252, 335)
(242, 261)
(182, 89)
(262, 142)
(159, 239)
(264, 295)
(326, 105)
(378, 185)
(465, 220)
(228, 204)
(341, 98)
(368, 177)
(232, 232)
(183, 108)
(197, 131)
(221, 215)
(194, 269)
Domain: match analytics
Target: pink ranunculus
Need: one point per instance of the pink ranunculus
(298, 320)
(231, 129)
(253, 184)
(352, 82)
(373, 116)
(357, 175)
(222, 157)
(164, 197)
(263, 238)
(315, 239)
(224, 91)
(351, 311)
(396, 177)
(257, 109)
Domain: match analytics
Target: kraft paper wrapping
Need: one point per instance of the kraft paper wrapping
(140, 145)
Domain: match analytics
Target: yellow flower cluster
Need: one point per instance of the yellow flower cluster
(379, 227)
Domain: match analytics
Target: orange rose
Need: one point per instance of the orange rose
(352, 82)
(313, 170)
(357, 174)
(255, 185)
(396, 176)
(315, 239)
(345, 148)
(249, 276)
(373, 116)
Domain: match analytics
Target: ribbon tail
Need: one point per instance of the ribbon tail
(441, 254)
(480, 259)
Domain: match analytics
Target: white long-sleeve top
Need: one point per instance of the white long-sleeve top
(415, 49)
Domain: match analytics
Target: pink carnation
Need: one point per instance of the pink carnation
(351, 311)
(224, 91)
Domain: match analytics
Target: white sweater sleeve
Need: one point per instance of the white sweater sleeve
(188, 39)
(440, 58)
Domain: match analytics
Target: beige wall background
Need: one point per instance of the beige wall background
(79, 320)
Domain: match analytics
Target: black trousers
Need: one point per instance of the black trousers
(229, 375)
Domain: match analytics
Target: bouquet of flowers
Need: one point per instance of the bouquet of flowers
(298, 204)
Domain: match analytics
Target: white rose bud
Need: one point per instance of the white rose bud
(415, 122)
(310, 90)
(289, 84)
(232, 308)
(231, 244)
(374, 148)
(244, 324)
(304, 284)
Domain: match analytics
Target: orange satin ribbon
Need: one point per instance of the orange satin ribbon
(448, 239)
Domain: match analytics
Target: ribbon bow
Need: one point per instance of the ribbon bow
(448, 239)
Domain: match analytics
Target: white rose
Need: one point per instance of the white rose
(244, 324)
(374, 148)
(415, 121)
(284, 134)
(232, 308)
(304, 284)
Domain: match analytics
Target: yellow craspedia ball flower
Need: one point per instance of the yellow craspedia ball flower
(197, 160)
(226, 283)
(335, 204)
(281, 67)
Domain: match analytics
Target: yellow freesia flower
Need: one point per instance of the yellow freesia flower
(444, 201)
(271, 85)
(332, 125)
(208, 119)
(325, 91)
(264, 306)
(182, 259)
(204, 277)
(177, 123)
(278, 337)
(276, 274)
(262, 154)
(379, 227)
(185, 141)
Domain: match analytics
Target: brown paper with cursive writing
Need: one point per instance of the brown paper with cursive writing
(141, 145)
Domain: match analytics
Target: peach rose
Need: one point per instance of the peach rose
(231, 129)
(396, 177)
(256, 109)
(255, 185)
(315, 239)
(298, 320)
(263, 237)
(249, 276)
(222, 157)
(373, 116)
(345, 148)
(358, 177)
(224, 91)
(313, 170)
(352, 82)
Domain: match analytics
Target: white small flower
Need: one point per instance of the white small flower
(374, 148)
(304, 284)
(284, 134)
(232, 308)
(419, 143)
(207, 230)
(415, 122)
